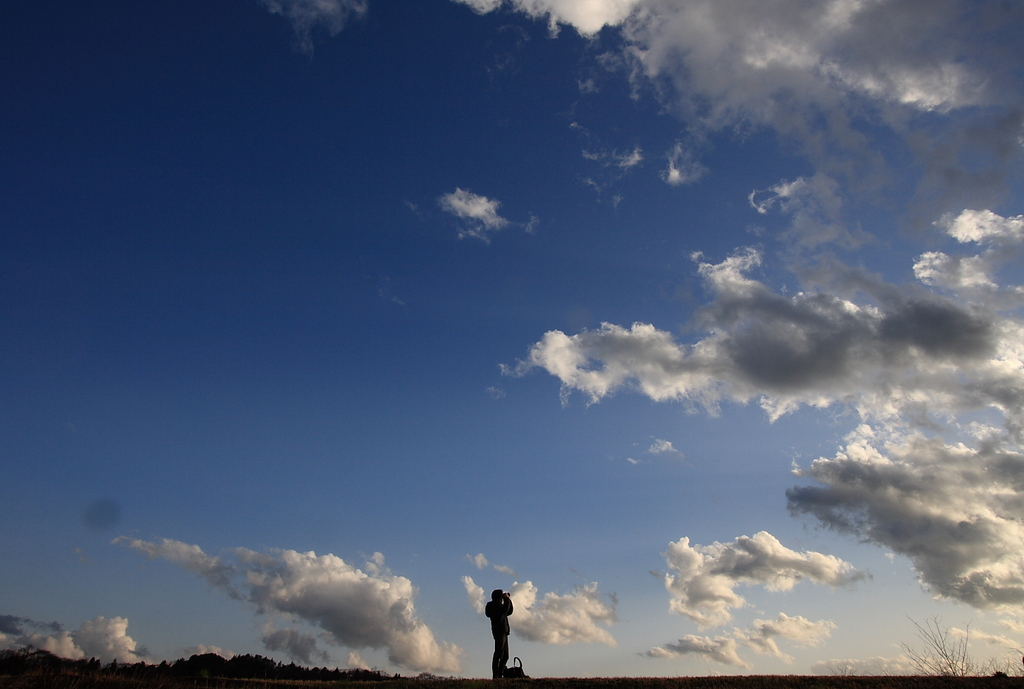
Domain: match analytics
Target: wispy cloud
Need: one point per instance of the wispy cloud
(683, 167)
(816, 208)
(308, 15)
(481, 562)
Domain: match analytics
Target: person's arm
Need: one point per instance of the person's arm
(508, 606)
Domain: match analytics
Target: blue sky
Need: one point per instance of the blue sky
(695, 324)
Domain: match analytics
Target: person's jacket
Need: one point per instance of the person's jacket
(498, 611)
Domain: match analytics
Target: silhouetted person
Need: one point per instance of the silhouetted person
(498, 609)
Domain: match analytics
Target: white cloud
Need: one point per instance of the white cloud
(760, 637)
(719, 649)
(683, 168)
(983, 226)
(477, 597)
(482, 6)
(744, 59)
(307, 15)
(952, 509)
(883, 350)
(215, 571)
(919, 476)
(586, 16)
(562, 619)
(478, 213)
(990, 639)
(866, 667)
(610, 166)
(481, 561)
(958, 274)
(103, 638)
(815, 206)
(628, 160)
(554, 619)
(846, 81)
(664, 447)
(355, 661)
(61, 644)
(353, 608)
(660, 446)
(702, 579)
(843, 79)
(974, 278)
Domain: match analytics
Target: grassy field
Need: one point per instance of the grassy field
(74, 681)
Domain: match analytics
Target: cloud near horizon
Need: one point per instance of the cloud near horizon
(760, 637)
(354, 608)
(702, 579)
(954, 511)
(300, 646)
(103, 638)
(554, 619)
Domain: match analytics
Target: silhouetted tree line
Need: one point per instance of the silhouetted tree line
(211, 665)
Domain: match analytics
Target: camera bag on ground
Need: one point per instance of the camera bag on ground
(516, 671)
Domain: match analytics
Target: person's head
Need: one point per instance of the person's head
(496, 594)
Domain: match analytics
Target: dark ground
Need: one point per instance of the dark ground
(73, 681)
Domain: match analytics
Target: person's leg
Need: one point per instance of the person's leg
(504, 652)
(500, 657)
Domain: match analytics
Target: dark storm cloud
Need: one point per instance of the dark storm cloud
(11, 624)
(938, 329)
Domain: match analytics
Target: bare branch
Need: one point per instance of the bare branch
(944, 654)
